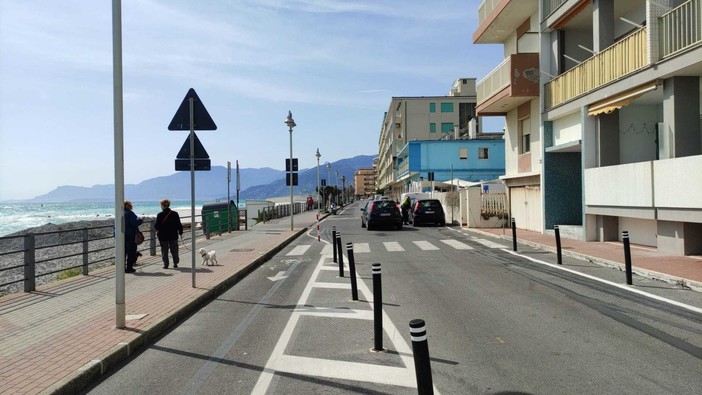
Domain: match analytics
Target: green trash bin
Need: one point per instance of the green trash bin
(216, 218)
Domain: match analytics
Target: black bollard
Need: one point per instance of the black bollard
(377, 308)
(559, 257)
(341, 254)
(352, 269)
(334, 241)
(514, 235)
(420, 349)
(627, 257)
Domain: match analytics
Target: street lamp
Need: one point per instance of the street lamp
(337, 187)
(317, 154)
(291, 124)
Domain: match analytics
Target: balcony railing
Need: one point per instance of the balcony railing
(680, 28)
(551, 5)
(494, 82)
(622, 58)
(485, 9)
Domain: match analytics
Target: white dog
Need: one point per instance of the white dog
(208, 258)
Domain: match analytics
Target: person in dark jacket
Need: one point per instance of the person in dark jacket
(168, 228)
(131, 225)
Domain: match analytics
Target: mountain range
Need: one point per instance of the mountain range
(212, 185)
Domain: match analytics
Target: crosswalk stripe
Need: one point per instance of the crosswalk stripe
(457, 244)
(425, 245)
(488, 243)
(360, 247)
(393, 246)
(299, 250)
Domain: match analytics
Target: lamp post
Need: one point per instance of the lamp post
(337, 187)
(328, 175)
(317, 154)
(343, 189)
(291, 124)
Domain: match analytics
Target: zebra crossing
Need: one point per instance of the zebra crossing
(395, 246)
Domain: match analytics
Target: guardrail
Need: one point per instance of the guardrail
(42, 256)
(279, 211)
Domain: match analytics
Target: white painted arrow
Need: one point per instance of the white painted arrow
(278, 276)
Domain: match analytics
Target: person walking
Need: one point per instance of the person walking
(168, 228)
(131, 226)
(405, 207)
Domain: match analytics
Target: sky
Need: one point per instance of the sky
(335, 64)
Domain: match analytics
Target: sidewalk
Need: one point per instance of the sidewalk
(645, 261)
(63, 336)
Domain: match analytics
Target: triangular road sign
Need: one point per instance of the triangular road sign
(200, 152)
(201, 118)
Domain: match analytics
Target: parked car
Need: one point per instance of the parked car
(425, 211)
(378, 213)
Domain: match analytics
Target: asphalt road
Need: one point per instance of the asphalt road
(496, 323)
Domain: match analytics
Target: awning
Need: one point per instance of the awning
(616, 102)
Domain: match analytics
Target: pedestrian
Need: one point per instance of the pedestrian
(131, 226)
(405, 207)
(168, 228)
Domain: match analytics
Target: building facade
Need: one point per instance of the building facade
(511, 90)
(616, 130)
(365, 182)
(423, 118)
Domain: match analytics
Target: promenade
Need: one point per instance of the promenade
(63, 336)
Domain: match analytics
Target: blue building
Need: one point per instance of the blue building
(477, 159)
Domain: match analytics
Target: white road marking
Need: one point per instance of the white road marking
(360, 248)
(332, 285)
(457, 244)
(327, 249)
(393, 246)
(425, 245)
(299, 250)
(488, 243)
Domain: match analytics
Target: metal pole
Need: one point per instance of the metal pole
(238, 186)
(334, 242)
(514, 235)
(559, 256)
(627, 257)
(291, 182)
(377, 308)
(120, 308)
(352, 269)
(318, 195)
(341, 254)
(229, 206)
(191, 102)
(422, 363)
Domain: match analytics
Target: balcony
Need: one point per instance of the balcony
(649, 185)
(621, 59)
(498, 19)
(514, 82)
(681, 28)
(551, 5)
(524, 163)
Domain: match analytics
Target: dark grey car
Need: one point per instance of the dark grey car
(378, 213)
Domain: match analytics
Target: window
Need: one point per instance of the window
(525, 135)
(446, 107)
(482, 153)
(463, 153)
(446, 127)
(432, 107)
(432, 127)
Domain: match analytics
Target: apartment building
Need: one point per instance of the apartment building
(619, 126)
(422, 118)
(511, 90)
(364, 182)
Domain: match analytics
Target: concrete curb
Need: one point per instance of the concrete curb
(667, 278)
(90, 372)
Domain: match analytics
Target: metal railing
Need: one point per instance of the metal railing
(40, 257)
(279, 211)
(622, 58)
(680, 28)
(551, 5)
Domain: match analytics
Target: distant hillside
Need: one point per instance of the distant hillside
(212, 185)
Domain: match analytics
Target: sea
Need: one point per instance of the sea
(17, 216)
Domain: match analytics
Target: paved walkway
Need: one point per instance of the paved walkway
(61, 337)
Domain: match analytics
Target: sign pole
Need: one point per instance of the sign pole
(229, 207)
(120, 307)
(192, 186)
